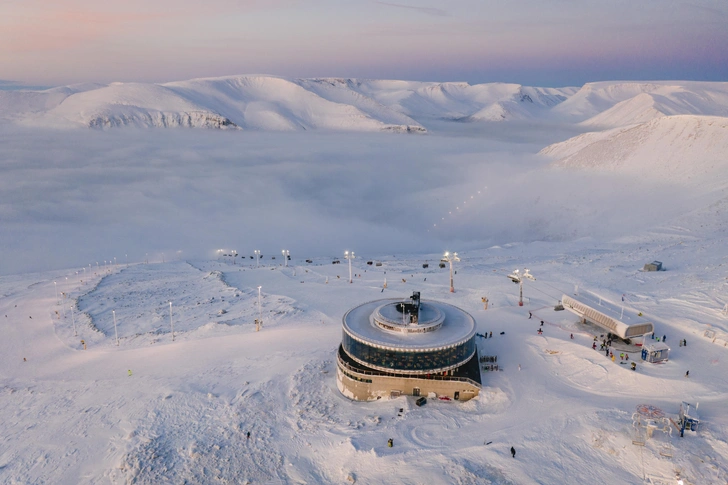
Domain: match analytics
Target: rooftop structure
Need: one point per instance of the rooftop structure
(619, 320)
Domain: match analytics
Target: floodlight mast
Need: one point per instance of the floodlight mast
(260, 313)
(517, 277)
(349, 255)
(285, 253)
(449, 258)
(257, 255)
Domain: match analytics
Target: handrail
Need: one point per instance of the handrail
(417, 376)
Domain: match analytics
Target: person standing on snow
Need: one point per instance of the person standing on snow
(513, 452)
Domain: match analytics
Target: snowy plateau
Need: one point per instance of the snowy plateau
(116, 202)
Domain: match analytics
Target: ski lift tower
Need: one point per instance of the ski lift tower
(517, 277)
(449, 258)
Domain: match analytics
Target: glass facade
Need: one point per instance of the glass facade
(414, 362)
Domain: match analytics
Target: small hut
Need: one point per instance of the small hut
(653, 266)
(655, 352)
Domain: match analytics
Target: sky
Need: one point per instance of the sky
(531, 42)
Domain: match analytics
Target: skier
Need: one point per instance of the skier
(129, 372)
(491, 335)
(529, 315)
(390, 442)
(519, 366)
(612, 357)
(594, 346)
(664, 338)
(685, 343)
(626, 356)
(606, 352)
(572, 336)
(687, 374)
(513, 452)
(248, 435)
(621, 356)
(540, 332)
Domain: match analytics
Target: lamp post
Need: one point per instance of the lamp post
(349, 255)
(450, 258)
(171, 323)
(63, 301)
(260, 312)
(58, 302)
(73, 320)
(517, 277)
(115, 332)
(257, 255)
(285, 254)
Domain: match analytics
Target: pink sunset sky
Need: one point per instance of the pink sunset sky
(536, 42)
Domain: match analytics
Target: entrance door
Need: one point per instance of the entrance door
(457, 395)
(416, 391)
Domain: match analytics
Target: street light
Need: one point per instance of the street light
(449, 258)
(349, 255)
(171, 324)
(257, 255)
(285, 254)
(517, 277)
(58, 302)
(260, 312)
(73, 320)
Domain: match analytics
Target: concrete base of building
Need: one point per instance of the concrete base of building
(367, 387)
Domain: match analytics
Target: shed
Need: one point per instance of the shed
(655, 352)
(653, 266)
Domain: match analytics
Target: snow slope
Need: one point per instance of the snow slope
(71, 415)
(685, 150)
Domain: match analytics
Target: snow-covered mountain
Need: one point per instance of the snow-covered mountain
(681, 149)
(612, 104)
(271, 103)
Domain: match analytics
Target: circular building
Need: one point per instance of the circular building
(395, 346)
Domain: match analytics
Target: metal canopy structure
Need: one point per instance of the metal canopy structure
(623, 322)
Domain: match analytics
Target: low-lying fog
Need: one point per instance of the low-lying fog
(70, 198)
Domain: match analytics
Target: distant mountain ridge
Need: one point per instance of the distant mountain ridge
(272, 103)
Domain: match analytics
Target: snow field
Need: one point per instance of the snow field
(183, 414)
